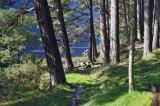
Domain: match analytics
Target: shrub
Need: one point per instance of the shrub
(24, 76)
(18, 79)
(34, 58)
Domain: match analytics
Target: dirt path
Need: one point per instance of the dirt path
(156, 99)
(77, 95)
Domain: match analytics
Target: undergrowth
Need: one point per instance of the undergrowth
(105, 86)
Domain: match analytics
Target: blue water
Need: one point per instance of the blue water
(76, 49)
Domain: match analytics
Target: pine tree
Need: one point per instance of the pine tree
(133, 22)
(114, 33)
(64, 36)
(50, 43)
(148, 12)
(103, 34)
(13, 39)
(155, 43)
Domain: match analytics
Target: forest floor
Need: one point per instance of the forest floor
(103, 86)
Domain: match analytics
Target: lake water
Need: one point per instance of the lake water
(76, 49)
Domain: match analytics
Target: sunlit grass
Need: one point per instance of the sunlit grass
(133, 99)
(78, 78)
(112, 84)
(106, 86)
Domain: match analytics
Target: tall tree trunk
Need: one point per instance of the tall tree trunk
(94, 49)
(65, 42)
(103, 34)
(135, 20)
(130, 68)
(126, 21)
(158, 13)
(155, 43)
(108, 23)
(139, 19)
(93, 32)
(92, 44)
(133, 26)
(50, 43)
(114, 36)
(90, 55)
(142, 20)
(147, 27)
(153, 18)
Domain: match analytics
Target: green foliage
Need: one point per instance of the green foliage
(15, 33)
(123, 39)
(77, 78)
(106, 86)
(34, 58)
(59, 97)
(150, 67)
(26, 75)
(19, 79)
(133, 99)
(76, 19)
(113, 84)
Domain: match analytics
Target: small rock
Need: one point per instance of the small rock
(80, 89)
(73, 102)
(78, 96)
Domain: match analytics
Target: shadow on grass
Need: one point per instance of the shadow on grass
(114, 81)
(103, 93)
(149, 68)
(110, 84)
(58, 97)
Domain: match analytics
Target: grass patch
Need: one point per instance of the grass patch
(133, 99)
(112, 83)
(77, 78)
(59, 97)
(106, 86)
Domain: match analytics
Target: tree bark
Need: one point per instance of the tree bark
(65, 42)
(92, 44)
(142, 20)
(90, 50)
(50, 43)
(103, 34)
(108, 23)
(133, 33)
(130, 68)
(158, 13)
(155, 43)
(94, 49)
(153, 18)
(95, 53)
(126, 21)
(139, 19)
(148, 11)
(114, 33)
